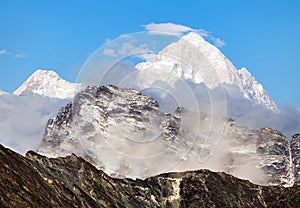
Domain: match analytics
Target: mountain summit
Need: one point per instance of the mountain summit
(49, 84)
(193, 58)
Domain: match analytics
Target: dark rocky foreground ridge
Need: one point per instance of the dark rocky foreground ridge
(37, 181)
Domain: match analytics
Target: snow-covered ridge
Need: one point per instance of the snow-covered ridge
(201, 62)
(3, 93)
(252, 89)
(196, 60)
(48, 83)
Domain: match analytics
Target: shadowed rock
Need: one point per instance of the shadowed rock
(37, 181)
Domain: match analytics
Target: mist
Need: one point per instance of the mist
(24, 118)
(255, 116)
(206, 142)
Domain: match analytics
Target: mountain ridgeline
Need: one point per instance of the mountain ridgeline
(104, 120)
(37, 181)
(112, 146)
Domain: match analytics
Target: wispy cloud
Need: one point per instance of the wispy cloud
(3, 52)
(167, 28)
(179, 30)
(109, 52)
(20, 54)
(17, 54)
(129, 49)
(206, 34)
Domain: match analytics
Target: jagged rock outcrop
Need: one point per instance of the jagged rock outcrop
(269, 148)
(295, 153)
(276, 157)
(37, 181)
(125, 118)
(102, 121)
(113, 119)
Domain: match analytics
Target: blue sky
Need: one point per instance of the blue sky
(262, 35)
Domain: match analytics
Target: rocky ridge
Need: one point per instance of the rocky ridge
(101, 117)
(100, 109)
(37, 181)
(295, 156)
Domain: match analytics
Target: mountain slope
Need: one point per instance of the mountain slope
(112, 120)
(48, 83)
(37, 181)
(125, 133)
(193, 58)
(295, 150)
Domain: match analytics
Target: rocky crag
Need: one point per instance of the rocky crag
(37, 181)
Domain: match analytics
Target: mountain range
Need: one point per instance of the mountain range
(113, 127)
(145, 141)
(197, 61)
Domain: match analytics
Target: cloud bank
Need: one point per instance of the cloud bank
(24, 118)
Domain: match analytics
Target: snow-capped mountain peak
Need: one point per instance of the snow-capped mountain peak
(195, 59)
(3, 93)
(252, 89)
(48, 83)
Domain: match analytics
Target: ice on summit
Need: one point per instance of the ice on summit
(190, 58)
(49, 84)
(193, 58)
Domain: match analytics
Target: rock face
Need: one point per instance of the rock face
(104, 117)
(269, 148)
(275, 151)
(37, 181)
(295, 152)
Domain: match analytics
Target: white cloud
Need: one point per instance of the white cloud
(218, 42)
(179, 30)
(3, 51)
(15, 112)
(17, 54)
(109, 52)
(205, 34)
(20, 54)
(129, 49)
(167, 28)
